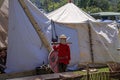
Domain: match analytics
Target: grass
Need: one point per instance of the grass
(100, 74)
(106, 69)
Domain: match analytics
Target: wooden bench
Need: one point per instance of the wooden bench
(70, 76)
(54, 76)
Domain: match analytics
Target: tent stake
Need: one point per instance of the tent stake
(35, 25)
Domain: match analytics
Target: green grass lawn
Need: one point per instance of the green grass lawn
(100, 74)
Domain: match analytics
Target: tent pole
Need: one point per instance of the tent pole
(1, 2)
(35, 25)
(91, 45)
(88, 76)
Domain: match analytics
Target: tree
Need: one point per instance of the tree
(87, 5)
(118, 6)
(92, 9)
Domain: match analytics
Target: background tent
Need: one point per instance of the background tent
(25, 49)
(91, 41)
(3, 22)
(70, 13)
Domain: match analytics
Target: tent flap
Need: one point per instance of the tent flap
(25, 49)
(105, 42)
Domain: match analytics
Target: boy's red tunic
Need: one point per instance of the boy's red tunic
(63, 53)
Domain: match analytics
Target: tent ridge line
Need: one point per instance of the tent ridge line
(35, 25)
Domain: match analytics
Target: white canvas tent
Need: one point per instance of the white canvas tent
(70, 13)
(3, 22)
(26, 51)
(91, 41)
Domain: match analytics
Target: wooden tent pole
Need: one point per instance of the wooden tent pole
(87, 68)
(35, 25)
(91, 45)
(1, 2)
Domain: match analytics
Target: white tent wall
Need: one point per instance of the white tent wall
(25, 49)
(43, 21)
(84, 42)
(105, 42)
(79, 36)
(3, 23)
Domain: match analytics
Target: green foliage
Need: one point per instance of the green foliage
(49, 5)
(53, 4)
(118, 7)
(86, 5)
(92, 9)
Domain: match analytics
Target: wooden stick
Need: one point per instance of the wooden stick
(88, 76)
(91, 42)
(59, 43)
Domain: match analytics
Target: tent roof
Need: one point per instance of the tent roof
(69, 13)
(106, 14)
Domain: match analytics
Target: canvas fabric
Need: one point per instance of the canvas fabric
(69, 13)
(3, 23)
(26, 51)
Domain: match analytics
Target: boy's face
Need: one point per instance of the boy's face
(63, 40)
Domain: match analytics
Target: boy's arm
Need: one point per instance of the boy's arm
(55, 47)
